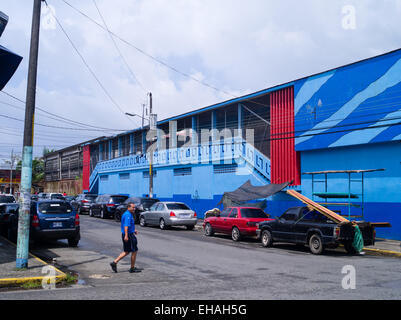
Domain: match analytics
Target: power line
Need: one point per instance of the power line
(149, 55)
(86, 64)
(118, 49)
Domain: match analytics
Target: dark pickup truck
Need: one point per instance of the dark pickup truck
(301, 225)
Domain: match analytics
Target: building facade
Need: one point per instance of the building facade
(335, 135)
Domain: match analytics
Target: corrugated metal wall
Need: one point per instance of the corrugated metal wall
(285, 162)
(86, 167)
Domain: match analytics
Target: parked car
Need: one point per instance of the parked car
(236, 221)
(304, 226)
(7, 198)
(55, 196)
(6, 209)
(141, 205)
(167, 214)
(50, 220)
(105, 205)
(42, 195)
(82, 202)
(69, 198)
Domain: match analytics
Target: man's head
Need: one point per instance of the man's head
(131, 207)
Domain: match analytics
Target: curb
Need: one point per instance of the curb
(18, 281)
(383, 252)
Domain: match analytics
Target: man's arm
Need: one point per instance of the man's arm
(126, 233)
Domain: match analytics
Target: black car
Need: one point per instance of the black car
(82, 203)
(105, 205)
(304, 226)
(6, 209)
(141, 205)
(49, 220)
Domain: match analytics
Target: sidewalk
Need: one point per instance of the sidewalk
(9, 276)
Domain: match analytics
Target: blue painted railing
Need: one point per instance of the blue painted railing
(237, 150)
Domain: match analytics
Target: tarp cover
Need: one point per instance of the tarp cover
(248, 192)
(9, 63)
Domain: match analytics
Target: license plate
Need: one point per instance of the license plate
(57, 224)
(185, 216)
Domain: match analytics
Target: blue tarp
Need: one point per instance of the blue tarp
(9, 63)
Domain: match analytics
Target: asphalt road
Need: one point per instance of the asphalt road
(181, 264)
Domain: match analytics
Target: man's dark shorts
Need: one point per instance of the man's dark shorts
(132, 244)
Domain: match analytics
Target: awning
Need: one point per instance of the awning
(248, 192)
(9, 63)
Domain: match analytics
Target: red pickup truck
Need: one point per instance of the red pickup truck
(236, 221)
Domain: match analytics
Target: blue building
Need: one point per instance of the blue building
(341, 120)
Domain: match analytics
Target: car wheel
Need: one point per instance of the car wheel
(73, 242)
(267, 239)
(117, 216)
(162, 224)
(142, 221)
(235, 234)
(316, 244)
(349, 248)
(90, 213)
(208, 230)
(102, 216)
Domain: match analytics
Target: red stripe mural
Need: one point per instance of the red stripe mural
(86, 167)
(285, 161)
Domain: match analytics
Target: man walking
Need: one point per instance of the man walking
(130, 243)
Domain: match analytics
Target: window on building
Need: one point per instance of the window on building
(183, 171)
(225, 168)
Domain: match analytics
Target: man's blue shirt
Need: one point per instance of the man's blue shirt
(127, 220)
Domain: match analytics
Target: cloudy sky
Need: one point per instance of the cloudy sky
(234, 45)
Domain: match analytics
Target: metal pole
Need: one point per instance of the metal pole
(151, 152)
(26, 172)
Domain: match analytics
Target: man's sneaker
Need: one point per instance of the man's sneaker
(135, 270)
(113, 266)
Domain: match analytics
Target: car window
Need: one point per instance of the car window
(225, 212)
(55, 208)
(313, 216)
(118, 199)
(7, 199)
(161, 207)
(289, 216)
(177, 206)
(253, 213)
(147, 203)
(234, 213)
(154, 207)
(89, 197)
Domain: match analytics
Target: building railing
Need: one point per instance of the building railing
(236, 149)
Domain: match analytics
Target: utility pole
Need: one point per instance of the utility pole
(26, 172)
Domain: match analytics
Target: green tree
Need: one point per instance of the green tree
(38, 169)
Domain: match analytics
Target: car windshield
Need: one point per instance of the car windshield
(148, 203)
(57, 196)
(253, 213)
(92, 198)
(6, 199)
(118, 199)
(177, 206)
(56, 207)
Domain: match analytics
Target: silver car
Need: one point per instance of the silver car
(167, 214)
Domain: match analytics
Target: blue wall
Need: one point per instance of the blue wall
(382, 189)
(332, 106)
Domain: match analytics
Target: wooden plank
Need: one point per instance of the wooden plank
(311, 204)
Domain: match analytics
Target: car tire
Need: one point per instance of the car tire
(117, 216)
(73, 242)
(266, 239)
(190, 228)
(90, 212)
(162, 224)
(235, 234)
(142, 222)
(316, 244)
(102, 216)
(349, 248)
(208, 230)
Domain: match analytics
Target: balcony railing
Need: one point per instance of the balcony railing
(235, 149)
